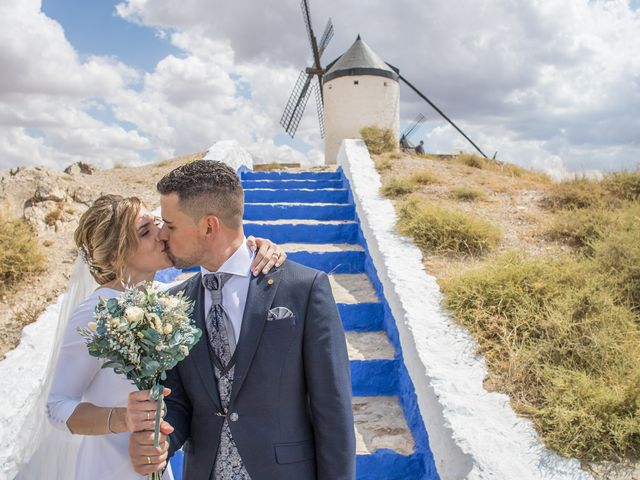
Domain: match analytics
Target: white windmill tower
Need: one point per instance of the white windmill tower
(359, 90)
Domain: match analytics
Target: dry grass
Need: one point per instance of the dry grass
(437, 229)
(624, 185)
(20, 255)
(423, 177)
(396, 187)
(466, 194)
(379, 140)
(55, 215)
(577, 193)
(559, 342)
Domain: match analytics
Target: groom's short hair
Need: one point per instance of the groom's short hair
(206, 187)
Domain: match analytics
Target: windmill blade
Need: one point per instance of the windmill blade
(411, 128)
(306, 14)
(424, 97)
(317, 90)
(296, 103)
(326, 37)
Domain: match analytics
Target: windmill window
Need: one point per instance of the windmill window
(330, 87)
(385, 84)
(355, 82)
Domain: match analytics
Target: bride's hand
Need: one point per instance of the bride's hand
(269, 255)
(141, 412)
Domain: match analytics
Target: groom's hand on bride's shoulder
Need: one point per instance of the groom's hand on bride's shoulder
(145, 458)
(141, 412)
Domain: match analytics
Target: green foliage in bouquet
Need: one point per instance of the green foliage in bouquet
(142, 333)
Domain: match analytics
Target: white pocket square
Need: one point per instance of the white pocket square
(279, 313)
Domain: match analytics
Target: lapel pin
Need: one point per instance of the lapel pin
(270, 281)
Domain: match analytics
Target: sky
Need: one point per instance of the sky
(548, 85)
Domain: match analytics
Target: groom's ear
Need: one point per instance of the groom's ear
(211, 225)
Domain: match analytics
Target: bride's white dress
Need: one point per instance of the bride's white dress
(79, 378)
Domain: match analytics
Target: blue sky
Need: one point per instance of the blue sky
(549, 85)
(93, 28)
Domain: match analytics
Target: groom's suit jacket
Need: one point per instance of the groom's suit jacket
(290, 411)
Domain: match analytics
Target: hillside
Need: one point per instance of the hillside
(52, 202)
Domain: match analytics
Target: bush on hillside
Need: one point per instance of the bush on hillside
(437, 229)
(471, 160)
(423, 177)
(466, 194)
(396, 187)
(580, 227)
(558, 342)
(617, 255)
(624, 185)
(20, 255)
(577, 193)
(379, 140)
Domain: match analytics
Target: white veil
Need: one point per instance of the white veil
(49, 452)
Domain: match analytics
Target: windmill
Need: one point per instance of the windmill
(310, 79)
(410, 130)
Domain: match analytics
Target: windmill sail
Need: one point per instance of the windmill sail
(302, 89)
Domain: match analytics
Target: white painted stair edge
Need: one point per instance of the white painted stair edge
(473, 434)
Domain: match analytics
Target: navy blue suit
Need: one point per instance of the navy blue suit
(290, 411)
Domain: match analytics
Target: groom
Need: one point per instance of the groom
(265, 394)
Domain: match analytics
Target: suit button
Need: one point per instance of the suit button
(234, 417)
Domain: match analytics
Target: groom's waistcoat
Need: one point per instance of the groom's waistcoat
(290, 408)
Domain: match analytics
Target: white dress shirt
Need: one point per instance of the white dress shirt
(79, 378)
(236, 288)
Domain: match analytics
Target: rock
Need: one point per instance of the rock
(80, 168)
(49, 190)
(83, 195)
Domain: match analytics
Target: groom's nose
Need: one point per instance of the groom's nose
(163, 235)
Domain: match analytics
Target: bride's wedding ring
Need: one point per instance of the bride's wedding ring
(148, 417)
(148, 460)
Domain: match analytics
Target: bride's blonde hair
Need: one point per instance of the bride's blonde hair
(106, 235)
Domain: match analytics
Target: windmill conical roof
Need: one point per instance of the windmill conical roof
(359, 60)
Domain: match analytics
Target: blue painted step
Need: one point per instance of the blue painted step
(373, 377)
(297, 195)
(291, 176)
(304, 233)
(270, 211)
(292, 184)
(361, 317)
(350, 261)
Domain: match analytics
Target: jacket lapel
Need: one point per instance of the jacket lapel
(262, 290)
(199, 355)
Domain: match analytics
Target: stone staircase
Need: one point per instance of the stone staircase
(312, 215)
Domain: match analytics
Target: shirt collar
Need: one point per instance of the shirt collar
(237, 264)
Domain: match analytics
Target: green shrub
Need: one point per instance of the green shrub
(580, 227)
(379, 140)
(471, 160)
(20, 255)
(577, 193)
(556, 340)
(436, 229)
(617, 255)
(382, 164)
(396, 187)
(624, 185)
(466, 194)
(423, 177)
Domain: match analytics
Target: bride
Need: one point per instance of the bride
(118, 240)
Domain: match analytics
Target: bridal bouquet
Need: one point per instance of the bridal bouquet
(141, 334)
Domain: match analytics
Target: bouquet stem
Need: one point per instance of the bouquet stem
(157, 394)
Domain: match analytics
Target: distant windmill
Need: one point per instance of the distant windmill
(410, 130)
(309, 80)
